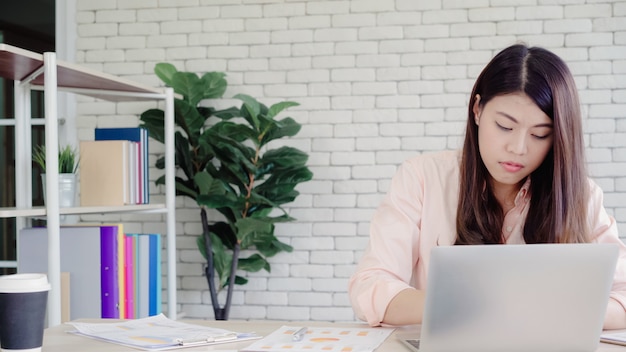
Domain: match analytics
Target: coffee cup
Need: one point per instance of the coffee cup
(23, 300)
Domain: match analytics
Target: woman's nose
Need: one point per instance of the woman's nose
(518, 144)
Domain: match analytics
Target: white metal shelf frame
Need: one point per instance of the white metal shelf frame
(32, 71)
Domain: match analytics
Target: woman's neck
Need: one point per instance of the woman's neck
(506, 194)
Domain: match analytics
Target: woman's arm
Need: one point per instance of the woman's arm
(605, 231)
(416, 214)
(615, 316)
(386, 266)
(406, 308)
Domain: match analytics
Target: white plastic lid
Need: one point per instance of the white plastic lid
(24, 283)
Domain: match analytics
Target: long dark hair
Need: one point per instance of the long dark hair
(559, 186)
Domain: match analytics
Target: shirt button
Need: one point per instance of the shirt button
(509, 228)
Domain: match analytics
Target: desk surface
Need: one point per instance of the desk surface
(56, 339)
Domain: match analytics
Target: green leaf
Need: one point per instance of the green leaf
(282, 247)
(183, 187)
(252, 232)
(240, 280)
(203, 180)
(284, 157)
(204, 152)
(200, 243)
(271, 248)
(165, 71)
(259, 203)
(216, 201)
(279, 187)
(235, 157)
(189, 85)
(227, 114)
(208, 185)
(290, 176)
(237, 132)
(253, 263)
(160, 180)
(153, 121)
(225, 232)
(189, 119)
(222, 259)
(287, 127)
(278, 107)
(213, 85)
(183, 155)
(253, 108)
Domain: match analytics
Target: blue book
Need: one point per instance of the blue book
(140, 136)
(154, 305)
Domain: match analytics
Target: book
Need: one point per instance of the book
(138, 135)
(104, 173)
(108, 272)
(135, 274)
(80, 256)
(129, 251)
(121, 274)
(142, 300)
(154, 305)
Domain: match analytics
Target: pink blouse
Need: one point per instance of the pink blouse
(419, 213)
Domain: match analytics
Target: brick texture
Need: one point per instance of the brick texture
(377, 81)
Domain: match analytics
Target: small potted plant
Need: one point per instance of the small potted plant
(68, 165)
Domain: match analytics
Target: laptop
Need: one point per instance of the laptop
(541, 297)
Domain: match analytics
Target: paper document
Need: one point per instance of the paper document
(321, 339)
(158, 333)
(617, 338)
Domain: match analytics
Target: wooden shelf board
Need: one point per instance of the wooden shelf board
(17, 64)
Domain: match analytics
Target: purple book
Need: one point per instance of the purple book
(108, 276)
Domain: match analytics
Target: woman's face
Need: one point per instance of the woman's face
(514, 137)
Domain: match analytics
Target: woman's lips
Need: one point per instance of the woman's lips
(511, 166)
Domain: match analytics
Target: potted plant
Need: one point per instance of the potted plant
(68, 165)
(226, 165)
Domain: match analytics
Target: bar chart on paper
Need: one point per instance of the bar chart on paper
(322, 339)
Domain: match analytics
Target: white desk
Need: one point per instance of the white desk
(56, 339)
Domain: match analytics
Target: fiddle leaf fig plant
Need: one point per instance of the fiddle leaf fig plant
(228, 165)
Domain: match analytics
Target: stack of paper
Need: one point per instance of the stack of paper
(158, 333)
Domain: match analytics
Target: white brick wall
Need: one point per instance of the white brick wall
(377, 80)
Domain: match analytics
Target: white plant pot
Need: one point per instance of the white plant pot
(67, 189)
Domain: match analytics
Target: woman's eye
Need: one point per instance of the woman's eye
(503, 128)
(541, 137)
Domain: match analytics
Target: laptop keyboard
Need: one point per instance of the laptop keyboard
(413, 342)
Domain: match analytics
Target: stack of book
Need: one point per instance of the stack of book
(114, 167)
(112, 274)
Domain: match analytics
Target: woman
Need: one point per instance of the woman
(520, 178)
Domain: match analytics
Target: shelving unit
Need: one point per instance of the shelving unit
(33, 71)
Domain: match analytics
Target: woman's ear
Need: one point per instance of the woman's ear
(477, 109)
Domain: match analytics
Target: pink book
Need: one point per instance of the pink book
(129, 269)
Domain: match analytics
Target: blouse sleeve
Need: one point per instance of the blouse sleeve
(387, 264)
(604, 230)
